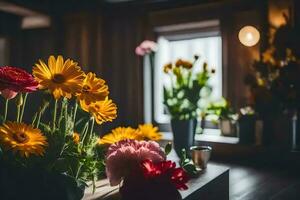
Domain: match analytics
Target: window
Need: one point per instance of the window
(184, 41)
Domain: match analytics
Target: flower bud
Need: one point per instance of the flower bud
(8, 94)
(19, 101)
(205, 67)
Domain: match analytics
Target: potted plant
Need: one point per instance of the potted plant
(275, 87)
(182, 97)
(55, 158)
(226, 116)
(250, 127)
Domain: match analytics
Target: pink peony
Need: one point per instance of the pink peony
(146, 47)
(124, 157)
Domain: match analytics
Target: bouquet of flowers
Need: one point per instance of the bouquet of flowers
(183, 96)
(138, 164)
(52, 159)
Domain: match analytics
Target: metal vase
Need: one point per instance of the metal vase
(183, 134)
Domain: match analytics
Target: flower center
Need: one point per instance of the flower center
(58, 78)
(20, 137)
(86, 88)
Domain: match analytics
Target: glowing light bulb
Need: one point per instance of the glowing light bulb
(249, 36)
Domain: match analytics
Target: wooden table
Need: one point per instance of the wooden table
(212, 184)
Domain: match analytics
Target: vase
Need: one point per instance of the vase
(36, 184)
(228, 127)
(183, 134)
(133, 189)
(247, 129)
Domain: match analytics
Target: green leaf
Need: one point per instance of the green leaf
(190, 168)
(168, 148)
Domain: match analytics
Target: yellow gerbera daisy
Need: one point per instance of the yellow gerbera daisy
(93, 89)
(119, 134)
(102, 111)
(76, 138)
(62, 78)
(22, 138)
(149, 132)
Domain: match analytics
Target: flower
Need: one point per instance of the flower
(148, 131)
(187, 65)
(268, 56)
(22, 138)
(179, 63)
(8, 94)
(102, 111)
(125, 156)
(146, 47)
(93, 89)
(14, 80)
(119, 134)
(76, 138)
(62, 78)
(184, 64)
(168, 67)
(165, 171)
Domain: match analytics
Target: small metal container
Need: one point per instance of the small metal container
(201, 156)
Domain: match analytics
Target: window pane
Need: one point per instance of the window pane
(209, 49)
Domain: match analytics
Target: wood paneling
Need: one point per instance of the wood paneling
(122, 68)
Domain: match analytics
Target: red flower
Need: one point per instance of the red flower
(166, 171)
(17, 80)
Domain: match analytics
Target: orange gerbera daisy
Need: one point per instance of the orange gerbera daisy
(93, 89)
(22, 138)
(102, 111)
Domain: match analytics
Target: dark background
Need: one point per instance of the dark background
(102, 37)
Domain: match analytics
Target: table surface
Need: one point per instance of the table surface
(105, 192)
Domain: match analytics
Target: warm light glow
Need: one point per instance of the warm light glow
(249, 36)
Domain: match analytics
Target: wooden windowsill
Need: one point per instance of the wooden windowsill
(209, 135)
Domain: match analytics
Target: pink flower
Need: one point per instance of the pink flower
(124, 157)
(8, 94)
(146, 47)
(17, 80)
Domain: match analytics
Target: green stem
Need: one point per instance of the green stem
(54, 115)
(18, 113)
(62, 110)
(5, 110)
(34, 119)
(92, 126)
(78, 171)
(84, 132)
(39, 120)
(75, 111)
(23, 107)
